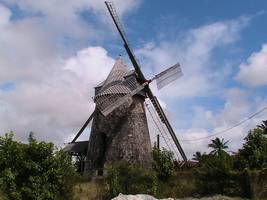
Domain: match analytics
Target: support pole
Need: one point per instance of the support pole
(158, 146)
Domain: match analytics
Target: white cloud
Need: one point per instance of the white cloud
(194, 53)
(238, 106)
(68, 10)
(5, 15)
(25, 50)
(82, 20)
(51, 30)
(190, 147)
(54, 106)
(253, 72)
(100, 64)
(202, 78)
(53, 87)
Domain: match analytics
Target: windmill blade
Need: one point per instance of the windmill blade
(116, 20)
(83, 127)
(165, 120)
(169, 75)
(125, 100)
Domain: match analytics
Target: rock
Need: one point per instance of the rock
(137, 197)
(148, 197)
(134, 197)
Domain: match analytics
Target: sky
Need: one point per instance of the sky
(53, 52)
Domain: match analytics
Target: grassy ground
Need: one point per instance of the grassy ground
(93, 190)
(96, 189)
(216, 197)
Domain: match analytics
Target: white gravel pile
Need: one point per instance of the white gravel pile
(148, 197)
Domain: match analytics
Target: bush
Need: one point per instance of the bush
(215, 176)
(180, 185)
(35, 170)
(253, 154)
(163, 163)
(130, 179)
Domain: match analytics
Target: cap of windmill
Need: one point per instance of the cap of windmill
(117, 89)
(115, 76)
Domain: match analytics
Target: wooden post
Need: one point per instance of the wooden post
(158, 141)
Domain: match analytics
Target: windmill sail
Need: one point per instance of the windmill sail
(119, 27)
(169, 75)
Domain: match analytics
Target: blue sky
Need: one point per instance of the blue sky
(52, 54)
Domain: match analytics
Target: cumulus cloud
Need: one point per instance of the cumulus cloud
(238, 106)
(194, 53)
(61, 8)
(253, 72)
(56, 105)
(5, 15)
(203, 78)
(66, 16)
(52, 88)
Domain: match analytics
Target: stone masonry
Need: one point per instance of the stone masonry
(121, 136)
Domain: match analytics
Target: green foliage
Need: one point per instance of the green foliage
(215, 176)
(181, 184)
(130, 179)
(163, 163)
(198, 156)
(218, 146)
(35, 170)
(218, 173)
(263, 127)
(253, 154)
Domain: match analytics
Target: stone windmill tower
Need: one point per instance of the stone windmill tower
(123, 134)
(119, 130)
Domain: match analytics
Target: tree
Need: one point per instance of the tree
(163, 163)
(35, 170)
(253, 154)
(263, 127)
(218, 146)
(214, 176)
(197, 156)
(215, 172)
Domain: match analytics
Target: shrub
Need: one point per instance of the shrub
(253, 154)
(215, 176)
(35, 170)
(130, 179)
(180, 185)
(163, 163)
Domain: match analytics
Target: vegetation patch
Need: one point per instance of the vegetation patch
(34, 171)
(37, 170)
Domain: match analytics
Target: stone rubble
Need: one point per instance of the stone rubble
(148, 197)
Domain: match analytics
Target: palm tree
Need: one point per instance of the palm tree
(218, 146)
(197, 156)
(263, 127)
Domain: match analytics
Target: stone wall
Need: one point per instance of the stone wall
(122, 136)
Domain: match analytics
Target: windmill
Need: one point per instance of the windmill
(119, 129)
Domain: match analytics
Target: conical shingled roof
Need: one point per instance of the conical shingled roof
(112, 85)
